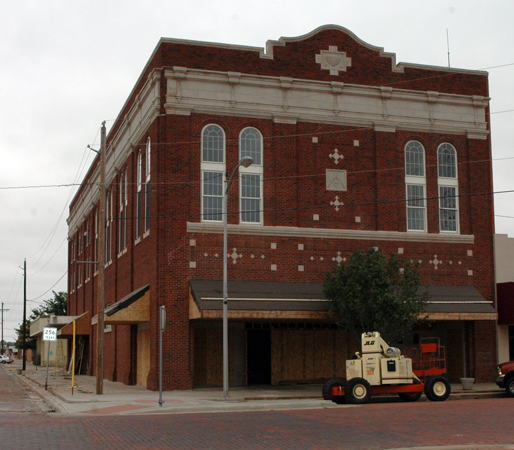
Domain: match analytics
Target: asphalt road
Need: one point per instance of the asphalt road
(473, 424)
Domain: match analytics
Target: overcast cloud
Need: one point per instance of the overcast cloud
(67, 66)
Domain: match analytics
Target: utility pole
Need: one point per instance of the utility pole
(3, 327)
(101, 272)
(24, 326)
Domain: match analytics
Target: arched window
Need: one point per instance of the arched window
(108, 227)
(446, 161)
(122, 225)
(415, 186)
(213, 170)
(139, 169)
(448, 188)
(250, 144)
(213, 144)
(147, 186)
(96, 240)
(414, 159)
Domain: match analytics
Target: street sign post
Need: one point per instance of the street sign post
(49, 334)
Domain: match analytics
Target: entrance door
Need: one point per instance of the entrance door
(258, 347)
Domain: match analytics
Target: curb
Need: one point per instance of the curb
(57, 402)
(52, 404)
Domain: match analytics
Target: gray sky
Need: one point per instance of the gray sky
(67, 66)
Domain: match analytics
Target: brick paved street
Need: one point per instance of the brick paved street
(15, 396)
(488, 421)
(372, 426)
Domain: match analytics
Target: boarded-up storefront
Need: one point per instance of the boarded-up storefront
(283, 332)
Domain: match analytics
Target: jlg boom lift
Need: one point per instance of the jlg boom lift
(382, 369)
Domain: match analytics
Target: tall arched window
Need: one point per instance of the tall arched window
(415, 186)
(448, 185)
(250, 144)
(96, 240)
(139, 199)
(108, 227)
(122, 225)
(213, 169)
(147, 186)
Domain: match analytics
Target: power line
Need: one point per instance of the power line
(268, 179)
(34, 299)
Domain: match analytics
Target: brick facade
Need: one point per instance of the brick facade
(368, 112)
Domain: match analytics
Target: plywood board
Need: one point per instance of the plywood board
(266, 315)
(324, 353)
(143, 356)
(296, 355)
(309, 349)
(308, 355)
(137, 312)
(341, 354)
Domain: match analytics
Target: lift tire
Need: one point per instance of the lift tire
(327, 389)
(357, 391)
(509, 386)
(411, 396)
(437, 389)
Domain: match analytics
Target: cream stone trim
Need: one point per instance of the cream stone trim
(143, 112)
(288, 100)
(324, 233)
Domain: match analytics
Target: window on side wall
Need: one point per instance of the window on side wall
(96, 242)
(108, 228)
(139, 199)
(122, 219)
(448, 186)
(415, 186)
(250, 186)
(147, 187)
(212, 172)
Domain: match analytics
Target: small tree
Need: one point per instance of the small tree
(30, 343)
(373, 293)
(56, 306)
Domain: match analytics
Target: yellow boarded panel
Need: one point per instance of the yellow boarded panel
(143, 356)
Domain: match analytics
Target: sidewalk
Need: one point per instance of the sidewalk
(119, 399)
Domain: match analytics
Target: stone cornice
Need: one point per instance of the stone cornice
(325, 233)
(297, 100)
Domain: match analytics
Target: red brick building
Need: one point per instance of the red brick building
(351, 151)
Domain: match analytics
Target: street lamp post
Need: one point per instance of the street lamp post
(246, 161)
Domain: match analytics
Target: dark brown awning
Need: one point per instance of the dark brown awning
(458, 303)
(258, 300)
(275, 300)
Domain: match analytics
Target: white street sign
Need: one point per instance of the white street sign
(49, 334)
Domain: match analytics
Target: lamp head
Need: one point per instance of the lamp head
(246, 161)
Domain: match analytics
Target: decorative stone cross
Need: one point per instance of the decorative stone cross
(333, 60)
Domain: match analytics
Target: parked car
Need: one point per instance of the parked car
(4, 359)
(505, 377)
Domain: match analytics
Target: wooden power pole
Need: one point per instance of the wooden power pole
(101, 271)
(3, 327)
(24, 326)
